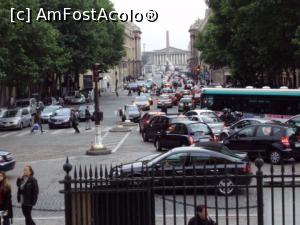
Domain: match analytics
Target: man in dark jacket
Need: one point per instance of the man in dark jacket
(201, 217)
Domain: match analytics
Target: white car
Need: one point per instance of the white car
(49, 111)
(215, 123)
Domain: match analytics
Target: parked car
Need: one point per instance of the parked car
(61, 119)
(142, 102)
(227, 131)
(164, 100)
(29, 103)
(215, 123)
(50, 101)
(201, 112)
(131, 112)
(189, 161)
(49, 111)
(185, 104)
(81, 112)
(145, 120)
(183, 133)
(15, 119)
(7, 161)
(70, 95)
(273, 142)
(158, 124)
(78, 99)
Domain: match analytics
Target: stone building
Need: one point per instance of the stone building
(159, 59)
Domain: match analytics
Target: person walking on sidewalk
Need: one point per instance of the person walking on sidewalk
(75, 122)
(5, 199)
(201, 217)
(28, 191)
(88, 118)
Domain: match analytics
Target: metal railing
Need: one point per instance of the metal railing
(110, 196)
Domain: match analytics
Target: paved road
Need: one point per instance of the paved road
(47, 154)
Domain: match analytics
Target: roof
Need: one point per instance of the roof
(171, 50)
(252, 91)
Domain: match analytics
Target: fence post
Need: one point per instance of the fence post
(259, 162)
(67, 192)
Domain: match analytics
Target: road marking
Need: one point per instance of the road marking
(57, 132)
(23, 133)
(121, 142)
(8, 134)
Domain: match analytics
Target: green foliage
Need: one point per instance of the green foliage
(252, 37)
(32, 52)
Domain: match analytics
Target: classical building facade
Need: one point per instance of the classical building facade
(171, 56)
(131, 63)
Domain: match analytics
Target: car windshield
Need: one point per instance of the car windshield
(207, 119)
(186, 100)
(208, 114)
(132, 109)
(141, 99)
(11, 113)
(22, 103)
(62, 112)
(199, 127)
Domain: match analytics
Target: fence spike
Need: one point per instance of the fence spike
(85, 173)
(91, 172)
(105, 172)
(293, 168)
(75, 173)
(80, 172)
(101, 171)
(96, 172)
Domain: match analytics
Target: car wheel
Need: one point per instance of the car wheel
(158, 145)
(145, 137)
(275, 157)
(226, 186)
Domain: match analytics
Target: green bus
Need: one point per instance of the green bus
(280, 103)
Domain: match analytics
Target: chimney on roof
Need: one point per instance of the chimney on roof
(167, 39)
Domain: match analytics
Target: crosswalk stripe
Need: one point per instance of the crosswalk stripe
(23, 133)
(8, 134)
(57, 131)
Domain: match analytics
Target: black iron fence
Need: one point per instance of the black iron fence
(160, 196)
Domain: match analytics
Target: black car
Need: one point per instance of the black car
(183, 133)
(186, 162)
(158, 124)
(273, 142)
(227, 131)
(145, 120)
(7, 161)
(61, 118)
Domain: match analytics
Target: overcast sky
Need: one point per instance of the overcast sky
(175, 16)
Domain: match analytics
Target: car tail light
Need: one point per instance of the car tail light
(191, 140)
(147, 121)
(247, 168)
(285, 141)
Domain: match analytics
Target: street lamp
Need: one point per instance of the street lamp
(97, 148)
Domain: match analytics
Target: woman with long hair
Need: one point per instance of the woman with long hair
(28, 191)
(5, 199)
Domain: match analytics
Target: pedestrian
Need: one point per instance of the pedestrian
(108, 85)
(37, 121)
(75, 122)
(201, 217)
(88, 118)
(28, 191)
(164, 108)
(5, 199)
(129, 92)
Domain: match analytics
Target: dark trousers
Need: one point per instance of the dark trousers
(74, 125)
(27, 214)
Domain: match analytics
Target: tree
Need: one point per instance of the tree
(254, 38)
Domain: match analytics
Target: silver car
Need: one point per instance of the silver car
(142, 102)
(164, 100)
(2, 111)
(81, 112)
(15, 119)
(49, 111)
(78, 99)
(131, 112)
(215, 123)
